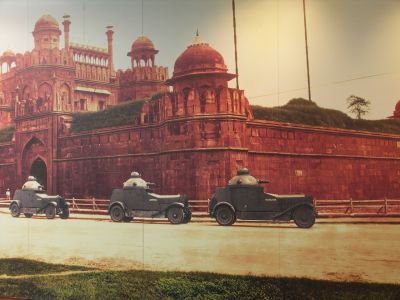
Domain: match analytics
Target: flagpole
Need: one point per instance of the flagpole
(235, 42)
(306, 41)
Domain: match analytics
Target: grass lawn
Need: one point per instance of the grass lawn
(300, 111)
(98, 284)
(122, 114)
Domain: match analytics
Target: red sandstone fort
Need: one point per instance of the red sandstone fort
(190, 140)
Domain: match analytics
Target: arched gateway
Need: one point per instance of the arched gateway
(34, 163)
(39, 170)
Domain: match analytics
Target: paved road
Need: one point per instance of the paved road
(367, 252)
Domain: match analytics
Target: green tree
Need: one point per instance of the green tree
(358, 106)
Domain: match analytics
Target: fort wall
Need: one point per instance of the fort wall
(326, 163)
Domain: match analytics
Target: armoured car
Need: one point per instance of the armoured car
(244, 198)
(32, 199)
(136, 199)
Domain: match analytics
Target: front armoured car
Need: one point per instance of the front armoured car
(244, 198)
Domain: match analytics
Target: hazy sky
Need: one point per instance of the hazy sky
(353, 44)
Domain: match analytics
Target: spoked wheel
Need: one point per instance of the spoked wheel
(175, 215)
(28, 215)
(14, 209)
(304, 217)
(50, 212)
(187, 217)
(128, 219)
(65, 213)
(117, 213)
(225, 216)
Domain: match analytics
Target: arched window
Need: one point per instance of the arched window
(64, 98)
(45, 97)
(186, 93)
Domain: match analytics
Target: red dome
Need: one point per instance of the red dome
(46, 22)
(199, 58)
(142, 43)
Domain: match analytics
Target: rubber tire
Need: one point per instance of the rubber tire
(175, 215)
(304, 217)
(50, 212)
(128, 219)
(64, 214)
(14, 209)
(187, 217)
(225, 216)
(28, 215)
(117, 213)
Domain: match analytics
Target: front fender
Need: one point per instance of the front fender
(218, 205)
(53, 203)
(117, 203)
(293, 208)
(173, 204)
(18, 202)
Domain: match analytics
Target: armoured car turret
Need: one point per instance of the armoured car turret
(244, 198)
(136, 199)
(32, 199)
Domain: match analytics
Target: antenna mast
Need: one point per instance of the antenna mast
(235, 42)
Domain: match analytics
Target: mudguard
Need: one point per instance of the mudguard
(173, 204)
(219, 204)
(292, 209)
(117, 203)
(15, 201)
(48, 204)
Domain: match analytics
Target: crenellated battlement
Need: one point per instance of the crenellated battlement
(52, 56)
(154, 73)
(173, 105)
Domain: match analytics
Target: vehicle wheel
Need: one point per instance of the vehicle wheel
(50, 212)
(117, 213)
(225, 216)
(175, 215)
(64, 214)
(304, 217)
(14, 209)
(28, 215)
(128, 219)
(187, 217)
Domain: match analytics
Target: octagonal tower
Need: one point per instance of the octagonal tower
(200, 83)
(47, 33)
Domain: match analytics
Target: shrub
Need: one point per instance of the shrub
(6, 134)
(301, 111)
(118, 115)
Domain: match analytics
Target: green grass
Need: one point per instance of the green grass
(6, 134)
(158, 95)
(118, 115)
(137, 284)
(300, 111)
(19, 266)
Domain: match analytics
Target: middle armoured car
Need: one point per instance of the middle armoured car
(244, 198)
(136, 199)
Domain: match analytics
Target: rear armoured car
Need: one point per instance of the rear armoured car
(244, 198)
(30, 202)
(136, 199)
